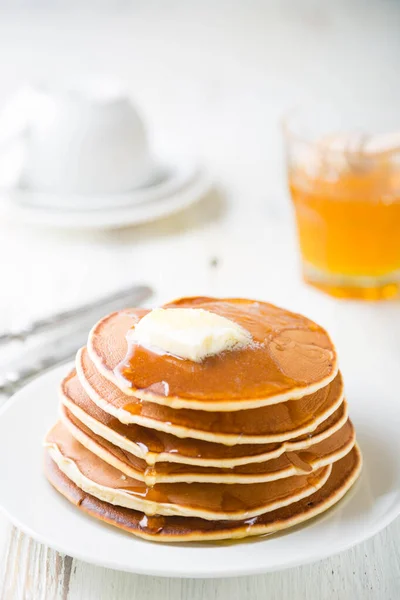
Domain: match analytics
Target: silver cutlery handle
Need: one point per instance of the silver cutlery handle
(131, 296)
(11, 381)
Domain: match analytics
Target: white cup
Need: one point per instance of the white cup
(85, 138)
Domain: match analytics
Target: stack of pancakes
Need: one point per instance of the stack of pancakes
(246, 442)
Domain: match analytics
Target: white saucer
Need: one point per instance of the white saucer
(34, 506)
(175, 190)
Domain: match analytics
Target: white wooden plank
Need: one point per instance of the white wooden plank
(31, 571)
(370, 571)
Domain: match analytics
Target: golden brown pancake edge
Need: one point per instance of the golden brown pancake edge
(315, 457)
(213, 501)
(154, 446)
(272, 423)
(183, 529)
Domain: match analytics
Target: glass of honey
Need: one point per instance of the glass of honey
(345, 187)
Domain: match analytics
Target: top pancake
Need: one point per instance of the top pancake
(291, 357)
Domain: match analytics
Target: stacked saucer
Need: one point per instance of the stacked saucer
(245, 441)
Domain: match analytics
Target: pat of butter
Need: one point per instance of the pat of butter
(190, 333)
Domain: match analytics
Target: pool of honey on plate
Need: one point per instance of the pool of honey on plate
(348, 226)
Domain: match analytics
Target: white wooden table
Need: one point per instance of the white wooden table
(369, 572)
(185, 264)
(213, 78)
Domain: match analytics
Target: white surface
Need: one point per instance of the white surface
(150, 204)
(371, 505)
(212, 78)
(169, 180)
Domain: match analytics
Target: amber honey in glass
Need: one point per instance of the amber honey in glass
(345, 189)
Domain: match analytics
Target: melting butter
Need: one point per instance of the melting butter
(188, 333)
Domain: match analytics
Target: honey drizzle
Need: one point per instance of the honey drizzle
(153, 443)
(289, 352)
(154, 524)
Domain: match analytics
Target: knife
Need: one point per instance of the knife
(63, 349)
(132, 296)
(13, 379)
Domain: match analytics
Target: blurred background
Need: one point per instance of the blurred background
(212, 80)
(215, 77)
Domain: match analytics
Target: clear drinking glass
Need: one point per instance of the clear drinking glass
(345, 187)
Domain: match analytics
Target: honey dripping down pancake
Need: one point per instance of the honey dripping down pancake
(290, 463)
(208, 501)
(156, 446)
(225, 440)
(191, 529)
(291, 357)
(277, 422)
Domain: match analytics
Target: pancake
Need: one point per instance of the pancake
(291, 463)
(155, 446)
(183, 529)
(290, 357)
(246, 442)
(268, 424)
(206, 500)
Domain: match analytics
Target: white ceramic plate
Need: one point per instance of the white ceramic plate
(34, 506)
(182, 188)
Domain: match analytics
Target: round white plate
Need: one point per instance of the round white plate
(34, 506)
(179, 190)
